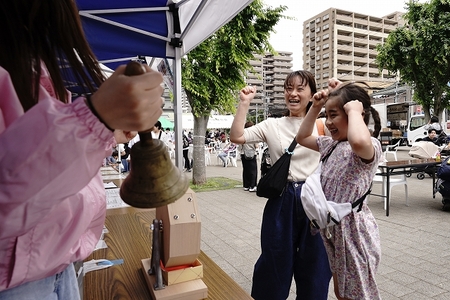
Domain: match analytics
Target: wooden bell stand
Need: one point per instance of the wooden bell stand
(180, 247)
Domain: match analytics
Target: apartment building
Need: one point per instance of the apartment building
(268, 78)
(342, 44)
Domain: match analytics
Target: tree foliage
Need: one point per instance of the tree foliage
(419, 51)
(214, 72)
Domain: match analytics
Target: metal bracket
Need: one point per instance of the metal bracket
(155, 267)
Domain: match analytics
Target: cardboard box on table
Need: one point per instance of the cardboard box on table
(181, 235)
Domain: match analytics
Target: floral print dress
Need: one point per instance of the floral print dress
(354, 249)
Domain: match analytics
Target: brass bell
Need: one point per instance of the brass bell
(153, 180)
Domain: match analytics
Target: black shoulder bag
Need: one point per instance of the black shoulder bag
(273, 183)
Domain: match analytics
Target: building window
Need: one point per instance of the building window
(318, 67)
(326, 75)
(326, 26)
(326, 65)
(317, 20)
(326, 17)
(317, 48)
(318, 57)
(326, 46)
(317, 76)
(326, 55)
(307, 53)
(326, 36)
(317, 29)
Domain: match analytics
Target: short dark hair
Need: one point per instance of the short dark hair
(158, 125)
(306, 78)
(431, 130)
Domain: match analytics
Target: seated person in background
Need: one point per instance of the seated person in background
(432, 136)
(230, 147)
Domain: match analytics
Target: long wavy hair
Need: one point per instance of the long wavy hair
(50, 32)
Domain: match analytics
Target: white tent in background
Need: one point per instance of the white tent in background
(214, 122)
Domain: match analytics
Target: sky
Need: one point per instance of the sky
(288, 36)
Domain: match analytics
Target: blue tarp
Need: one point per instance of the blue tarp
(122, 30)
(118, 29)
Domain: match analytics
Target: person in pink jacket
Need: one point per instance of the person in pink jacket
(52, 199)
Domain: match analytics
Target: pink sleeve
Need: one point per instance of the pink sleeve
(49, 153)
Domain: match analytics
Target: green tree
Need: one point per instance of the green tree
(213, 72)
(419, 51)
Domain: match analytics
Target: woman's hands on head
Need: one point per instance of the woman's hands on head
(130, 103)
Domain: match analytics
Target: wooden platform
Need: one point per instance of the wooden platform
(129, 238)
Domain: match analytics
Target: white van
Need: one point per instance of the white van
(416, 128)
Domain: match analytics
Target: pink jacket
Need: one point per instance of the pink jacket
(52, 199)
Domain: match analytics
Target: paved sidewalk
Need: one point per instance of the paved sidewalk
(415, 261)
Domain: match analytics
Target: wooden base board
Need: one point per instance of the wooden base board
(189, 290)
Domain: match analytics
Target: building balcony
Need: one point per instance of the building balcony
(360, 59)
(282, 58)
(374, 42)
(344, 68)
(278, 76)
(360, 77)
(376, 25)
(344, 18)
(344, 57)
(345, 48)
(255, 82)
(278, 82)
(344, 38)
(360, 41)
(374, 70)
(282, 64)
(389, 27)
(359, 50)
(362, 69)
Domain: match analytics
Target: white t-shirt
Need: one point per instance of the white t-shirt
(279, 133)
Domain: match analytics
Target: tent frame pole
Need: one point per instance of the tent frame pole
(178, 109)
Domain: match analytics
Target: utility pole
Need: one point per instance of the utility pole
(396, 92)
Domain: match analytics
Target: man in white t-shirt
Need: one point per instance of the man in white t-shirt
(159, 134)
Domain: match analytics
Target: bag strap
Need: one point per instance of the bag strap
(321, 131)
(329, 153)
(290, 150)
(361, 199)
